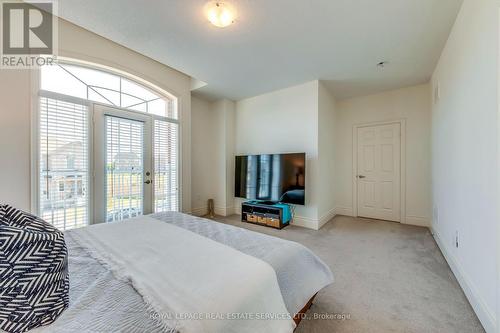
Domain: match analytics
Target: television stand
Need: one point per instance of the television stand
(274, 215)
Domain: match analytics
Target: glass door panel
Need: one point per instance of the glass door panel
(124, 168)
(166, 192)
(123, 183)
(64, 163)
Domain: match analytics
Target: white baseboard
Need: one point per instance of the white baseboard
(486, 316)
(305, 222)
(230, 211)
(417, 220)
(347, 211)
(224, 211)
(410, 219)
(200, 211)
(315, 224)
(327, 217)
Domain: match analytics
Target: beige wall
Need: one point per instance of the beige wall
(412, 104)
(77, 43)
(465, 169)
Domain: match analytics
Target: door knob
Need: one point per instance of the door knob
(361, 176)
(147, 182)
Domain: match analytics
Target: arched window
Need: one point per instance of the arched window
(106, 88)
(108, 147)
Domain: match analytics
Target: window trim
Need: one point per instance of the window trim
(143, 84)
(128, 74)
(37, 92)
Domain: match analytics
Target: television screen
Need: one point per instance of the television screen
(271, 178)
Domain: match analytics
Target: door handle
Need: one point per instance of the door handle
(147, 182)
(361, 176)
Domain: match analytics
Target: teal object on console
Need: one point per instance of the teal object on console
(287, 212)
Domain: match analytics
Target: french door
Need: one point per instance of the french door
(107, 147)
(135, 164)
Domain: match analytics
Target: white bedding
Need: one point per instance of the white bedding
(182, 274)
(100, 302)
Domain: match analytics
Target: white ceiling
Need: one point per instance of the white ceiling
(279, 43)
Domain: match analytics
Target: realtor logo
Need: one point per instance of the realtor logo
(28, 34)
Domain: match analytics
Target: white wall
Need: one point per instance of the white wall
(311, 120)
(308, 118)
(77, 43)
(212, 155)
(230, 137)
(283, 121)
(203, 154)
(464, 155)
(296, 119)
(15, 180)
(452, 149)
(412, 104)
(219, 159)
(326, 148)
(224, 111)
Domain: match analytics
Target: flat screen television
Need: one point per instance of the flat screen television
(271, 178)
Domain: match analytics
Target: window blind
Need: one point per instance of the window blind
(64, 164)
(166, 197)
(124, 168)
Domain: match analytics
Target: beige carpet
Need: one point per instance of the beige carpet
(389, 278)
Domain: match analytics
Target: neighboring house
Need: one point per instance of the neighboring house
(124, 175)
(65, 179)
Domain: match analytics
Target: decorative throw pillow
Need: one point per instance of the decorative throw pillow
(34, 278)
(3, 211)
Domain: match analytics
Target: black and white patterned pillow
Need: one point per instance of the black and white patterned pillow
(3, 212)
(34, 278)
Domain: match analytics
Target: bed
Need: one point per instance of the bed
(173, 272)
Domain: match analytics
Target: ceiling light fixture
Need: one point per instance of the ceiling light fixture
(382, 64)
(220, 13)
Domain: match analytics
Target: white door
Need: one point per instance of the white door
(123, 182)
(379, 172)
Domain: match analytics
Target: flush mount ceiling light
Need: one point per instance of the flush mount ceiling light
(382, 64)
(220, 13)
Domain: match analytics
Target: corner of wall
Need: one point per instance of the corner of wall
(326, 153)
(217, 180)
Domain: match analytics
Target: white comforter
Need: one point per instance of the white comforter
(190, 281)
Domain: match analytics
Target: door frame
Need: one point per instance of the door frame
(102, 110)
(402, 200)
